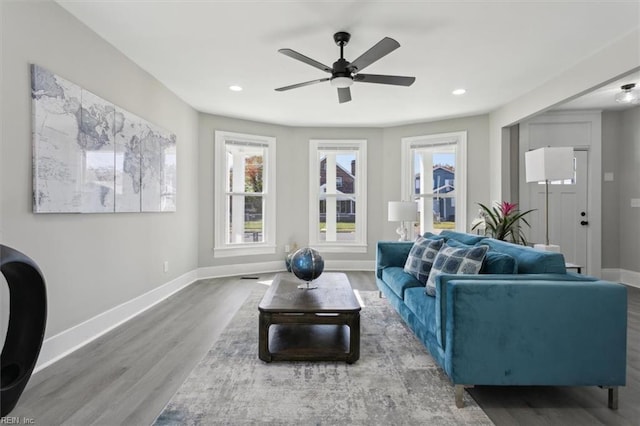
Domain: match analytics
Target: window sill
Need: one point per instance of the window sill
(244, 250)
(339, 248)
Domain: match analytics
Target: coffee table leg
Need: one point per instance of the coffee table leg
(263, 336)
(354, 341)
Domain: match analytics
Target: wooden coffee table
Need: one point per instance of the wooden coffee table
(322, 324)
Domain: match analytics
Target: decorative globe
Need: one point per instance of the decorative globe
(307, 264)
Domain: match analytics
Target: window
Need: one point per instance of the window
(434, 174)
(244, 194)
(337, 188)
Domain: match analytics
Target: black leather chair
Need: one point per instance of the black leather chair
(27, 321)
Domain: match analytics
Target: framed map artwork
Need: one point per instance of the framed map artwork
(91, 156)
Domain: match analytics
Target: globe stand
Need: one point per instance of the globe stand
(307, 286)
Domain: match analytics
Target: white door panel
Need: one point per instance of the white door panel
(567, 204)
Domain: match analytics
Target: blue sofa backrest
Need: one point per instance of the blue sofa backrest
(463, 237)
(530, 260)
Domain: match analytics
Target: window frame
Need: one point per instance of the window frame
(408, 184)
(359, 146)
(268, 246)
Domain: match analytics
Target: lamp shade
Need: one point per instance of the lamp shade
(403, 211)
(549, 163)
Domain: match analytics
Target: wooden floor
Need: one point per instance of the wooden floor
(127, 376)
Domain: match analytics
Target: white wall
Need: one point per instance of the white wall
(91, 262)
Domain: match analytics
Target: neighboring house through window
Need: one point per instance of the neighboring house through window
(434, 174)
(244, 211)
(337, 187)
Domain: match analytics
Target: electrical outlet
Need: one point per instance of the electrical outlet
(287, 247)
(635, 202)
(608, 177)
(165, 266)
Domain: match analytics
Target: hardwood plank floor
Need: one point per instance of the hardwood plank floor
(127, 376)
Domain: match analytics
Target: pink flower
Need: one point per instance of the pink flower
(506, 208)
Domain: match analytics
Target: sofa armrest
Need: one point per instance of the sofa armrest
(391, 253)
(442, 280)
(510, 332)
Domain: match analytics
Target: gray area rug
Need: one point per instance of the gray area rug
(395, 382)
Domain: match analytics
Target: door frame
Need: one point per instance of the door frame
(590, 141)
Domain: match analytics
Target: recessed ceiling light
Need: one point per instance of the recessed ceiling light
(459, 92)
(235, 88)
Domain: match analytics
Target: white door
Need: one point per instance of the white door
(568, 214)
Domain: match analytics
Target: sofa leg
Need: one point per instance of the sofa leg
(379, 294)
(613, 398)
(459, 390)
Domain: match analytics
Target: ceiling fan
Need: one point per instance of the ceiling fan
(345, 73)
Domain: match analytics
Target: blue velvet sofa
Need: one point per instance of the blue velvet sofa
(537, 325)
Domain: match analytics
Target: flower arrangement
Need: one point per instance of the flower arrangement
(502, 222)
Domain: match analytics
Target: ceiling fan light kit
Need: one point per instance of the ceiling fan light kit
(628, 94)
(345, 73)
(341, 81)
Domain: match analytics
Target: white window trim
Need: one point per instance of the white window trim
(359, 145)
(408, 180)
(268, 246)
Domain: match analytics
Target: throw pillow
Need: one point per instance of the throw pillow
(421, 258)
(455, 260)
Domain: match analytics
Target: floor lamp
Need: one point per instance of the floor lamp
(402, 211)
(544, 165)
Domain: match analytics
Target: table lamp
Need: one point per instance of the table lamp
(402, 211)
(544, 165)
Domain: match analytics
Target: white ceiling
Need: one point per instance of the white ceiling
(604, 97)
(497, 50)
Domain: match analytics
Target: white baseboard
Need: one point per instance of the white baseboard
(624, 276)
(279, 266)
(241, 269)
(62, 344)
(350, 265)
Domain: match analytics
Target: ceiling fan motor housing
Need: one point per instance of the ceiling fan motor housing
(341, 38)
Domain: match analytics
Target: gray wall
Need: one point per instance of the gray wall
(611, 124)
(383, 179)
(292, 191)
(478, 172)
(629, 161)
(621, 222)
(92, 262)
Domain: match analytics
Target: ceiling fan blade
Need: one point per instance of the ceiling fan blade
(300, 57)
(344, 94)
(380, 49)
(396, 80)
(306, 83)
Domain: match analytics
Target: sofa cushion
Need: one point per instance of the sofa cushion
(423, 307)
(499, 263)
(421, 258)
(398, 280)
(530, 260)
(456, 260)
